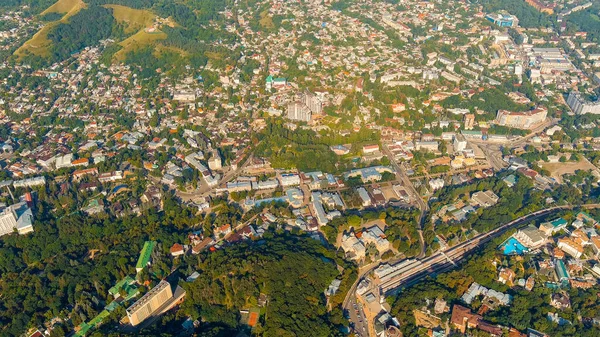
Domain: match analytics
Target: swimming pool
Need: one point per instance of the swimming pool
(513, 246)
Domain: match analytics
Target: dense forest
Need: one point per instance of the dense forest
(292, 272)
(84, 29)
(50, 272)
(306, 150)
(586, 21)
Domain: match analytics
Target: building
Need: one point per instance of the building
(469, 121)
(459, 143)
(553, 226)
(17, 217)
(289, 180)
(540, 6)
(275, 83)
(463, 319)
(297, 111)
(503, 19)
(370, 148)
(521, 120)
(530, 237)
(364, 197)
(570, 247)
(145, 255)
(484, 198)
(580, 106)
(150, 303)
(215, 162)
(312, 102)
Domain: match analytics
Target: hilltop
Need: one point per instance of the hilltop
(153, 28)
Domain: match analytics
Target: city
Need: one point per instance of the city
(299, 168)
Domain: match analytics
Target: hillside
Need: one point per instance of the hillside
(39, 44)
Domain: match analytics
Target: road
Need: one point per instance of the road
(357, 315)
(414, 194)
(447, 259)
(493, 151)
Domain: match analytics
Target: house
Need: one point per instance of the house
(506, 276)
(560, 301)
(570, 247)
(553, 226)
(484, 199)
(177, 250)
(222, 231)
(463, 319)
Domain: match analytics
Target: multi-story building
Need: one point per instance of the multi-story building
(303, 108)
(521, 120)
(503, 19)
(540, 6)
(580, 106)
(150, 303)
(459, 143)
(469, 121)
(17, 216)
(297, 111)
(312, 102)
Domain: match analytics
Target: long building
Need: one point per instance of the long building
(580, 106)
(389, 275)
(521, 120)
(149, 304)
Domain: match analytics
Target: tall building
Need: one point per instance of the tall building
(303, 108)
(580, 106)
(459, 143)
(469, 121)
(521, 120)
(149, 304)
(313, 103)
(297, 111)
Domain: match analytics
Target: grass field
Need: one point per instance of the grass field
(39, 43)
(136, 41)
(265, 20)
(557, 170)
(134, 19)
(63, 6)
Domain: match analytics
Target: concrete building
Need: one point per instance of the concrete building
(297, 111)
(312, 102)
(530, 237)
(469, 121)
(503, 19)
(459, 143)
(16, 217)
(580, 106)
(150, 304)
(215, 162)
(521, 120)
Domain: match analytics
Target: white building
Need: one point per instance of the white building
(580, 106)
(16, 217)
(289, 180)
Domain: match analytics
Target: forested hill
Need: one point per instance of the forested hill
(292, 272)
(173, 32)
